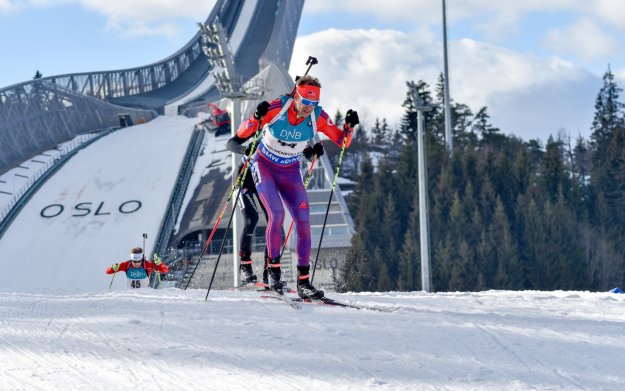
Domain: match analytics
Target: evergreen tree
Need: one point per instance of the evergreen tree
(376, 133)
(38, 75)
(390, 234)
(507, 269)
(408, 126)
(410, 255)
(381, 134)
(533, 244)
(503, 213)
(464, 135)
(481, 125)
(437, 115)
(338, 117)
(552, 170)
(614, 179)
(350, 277)
(463, 269)
(608, 114)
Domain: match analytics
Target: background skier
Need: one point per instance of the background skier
(138, 270)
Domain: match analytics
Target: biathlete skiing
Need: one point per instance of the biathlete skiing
(138, 269)
(288, 125)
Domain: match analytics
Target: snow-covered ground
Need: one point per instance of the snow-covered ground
(61, 328)
(172, 339)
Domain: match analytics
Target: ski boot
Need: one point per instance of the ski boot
(265, 272)
(274, 273)
(266, 277)
(305, 289)
(245, 265)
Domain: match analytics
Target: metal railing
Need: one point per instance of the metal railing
(37, 116)
(40, 113)
(178, 193)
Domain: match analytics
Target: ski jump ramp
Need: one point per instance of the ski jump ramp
(94, 210)
(97, 206)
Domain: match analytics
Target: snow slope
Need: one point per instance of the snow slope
(172, 339)
(94, 209)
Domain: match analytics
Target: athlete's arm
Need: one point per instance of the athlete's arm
(327, 127)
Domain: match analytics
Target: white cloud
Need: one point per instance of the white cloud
(384, 9)
(366, 69)
(371, 76)
(497, 19)
(7, 6)
(612, 11)
(427, 11)
(150, 10)
(131, 18)
(583, 38)
(619, 74)
(132, 29)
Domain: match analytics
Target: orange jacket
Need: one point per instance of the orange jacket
(324, 123)
(149, 267)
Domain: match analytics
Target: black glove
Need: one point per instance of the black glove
(308, 152)
(351, 118)
(261, 110)
(316, 149)
(248, 149)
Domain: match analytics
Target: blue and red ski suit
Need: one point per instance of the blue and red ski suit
(276, 169)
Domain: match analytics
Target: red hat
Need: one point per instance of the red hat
(307, 91)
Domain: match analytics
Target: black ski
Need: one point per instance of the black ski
(282, 297)
(328, 301)
(259, 287)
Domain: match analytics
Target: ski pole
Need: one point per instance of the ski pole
(310, 62)
(156, 280)
(336, 175)
(234, 208)
(145, 236)
(151, 280)
(112, 279)
(223, 209)
(286, 240)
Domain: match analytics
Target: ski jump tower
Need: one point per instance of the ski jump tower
(39, 114)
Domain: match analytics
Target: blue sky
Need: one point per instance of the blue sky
(536, 64)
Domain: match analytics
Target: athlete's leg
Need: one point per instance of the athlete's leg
(265, 178)
(250, 219)
(295, 197)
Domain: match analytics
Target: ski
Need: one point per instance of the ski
(295, 302)
(328, 301)
(259, 287)
(266, 287)
(282, 297)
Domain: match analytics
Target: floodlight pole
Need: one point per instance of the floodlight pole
(424, 242)
(215, 46)
(448, 127)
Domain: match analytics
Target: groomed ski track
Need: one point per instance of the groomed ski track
(94, 209)
(170, 339)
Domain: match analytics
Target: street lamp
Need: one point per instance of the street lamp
(424, 243)
(230, 86)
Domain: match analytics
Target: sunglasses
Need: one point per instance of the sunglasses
(308, 102)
